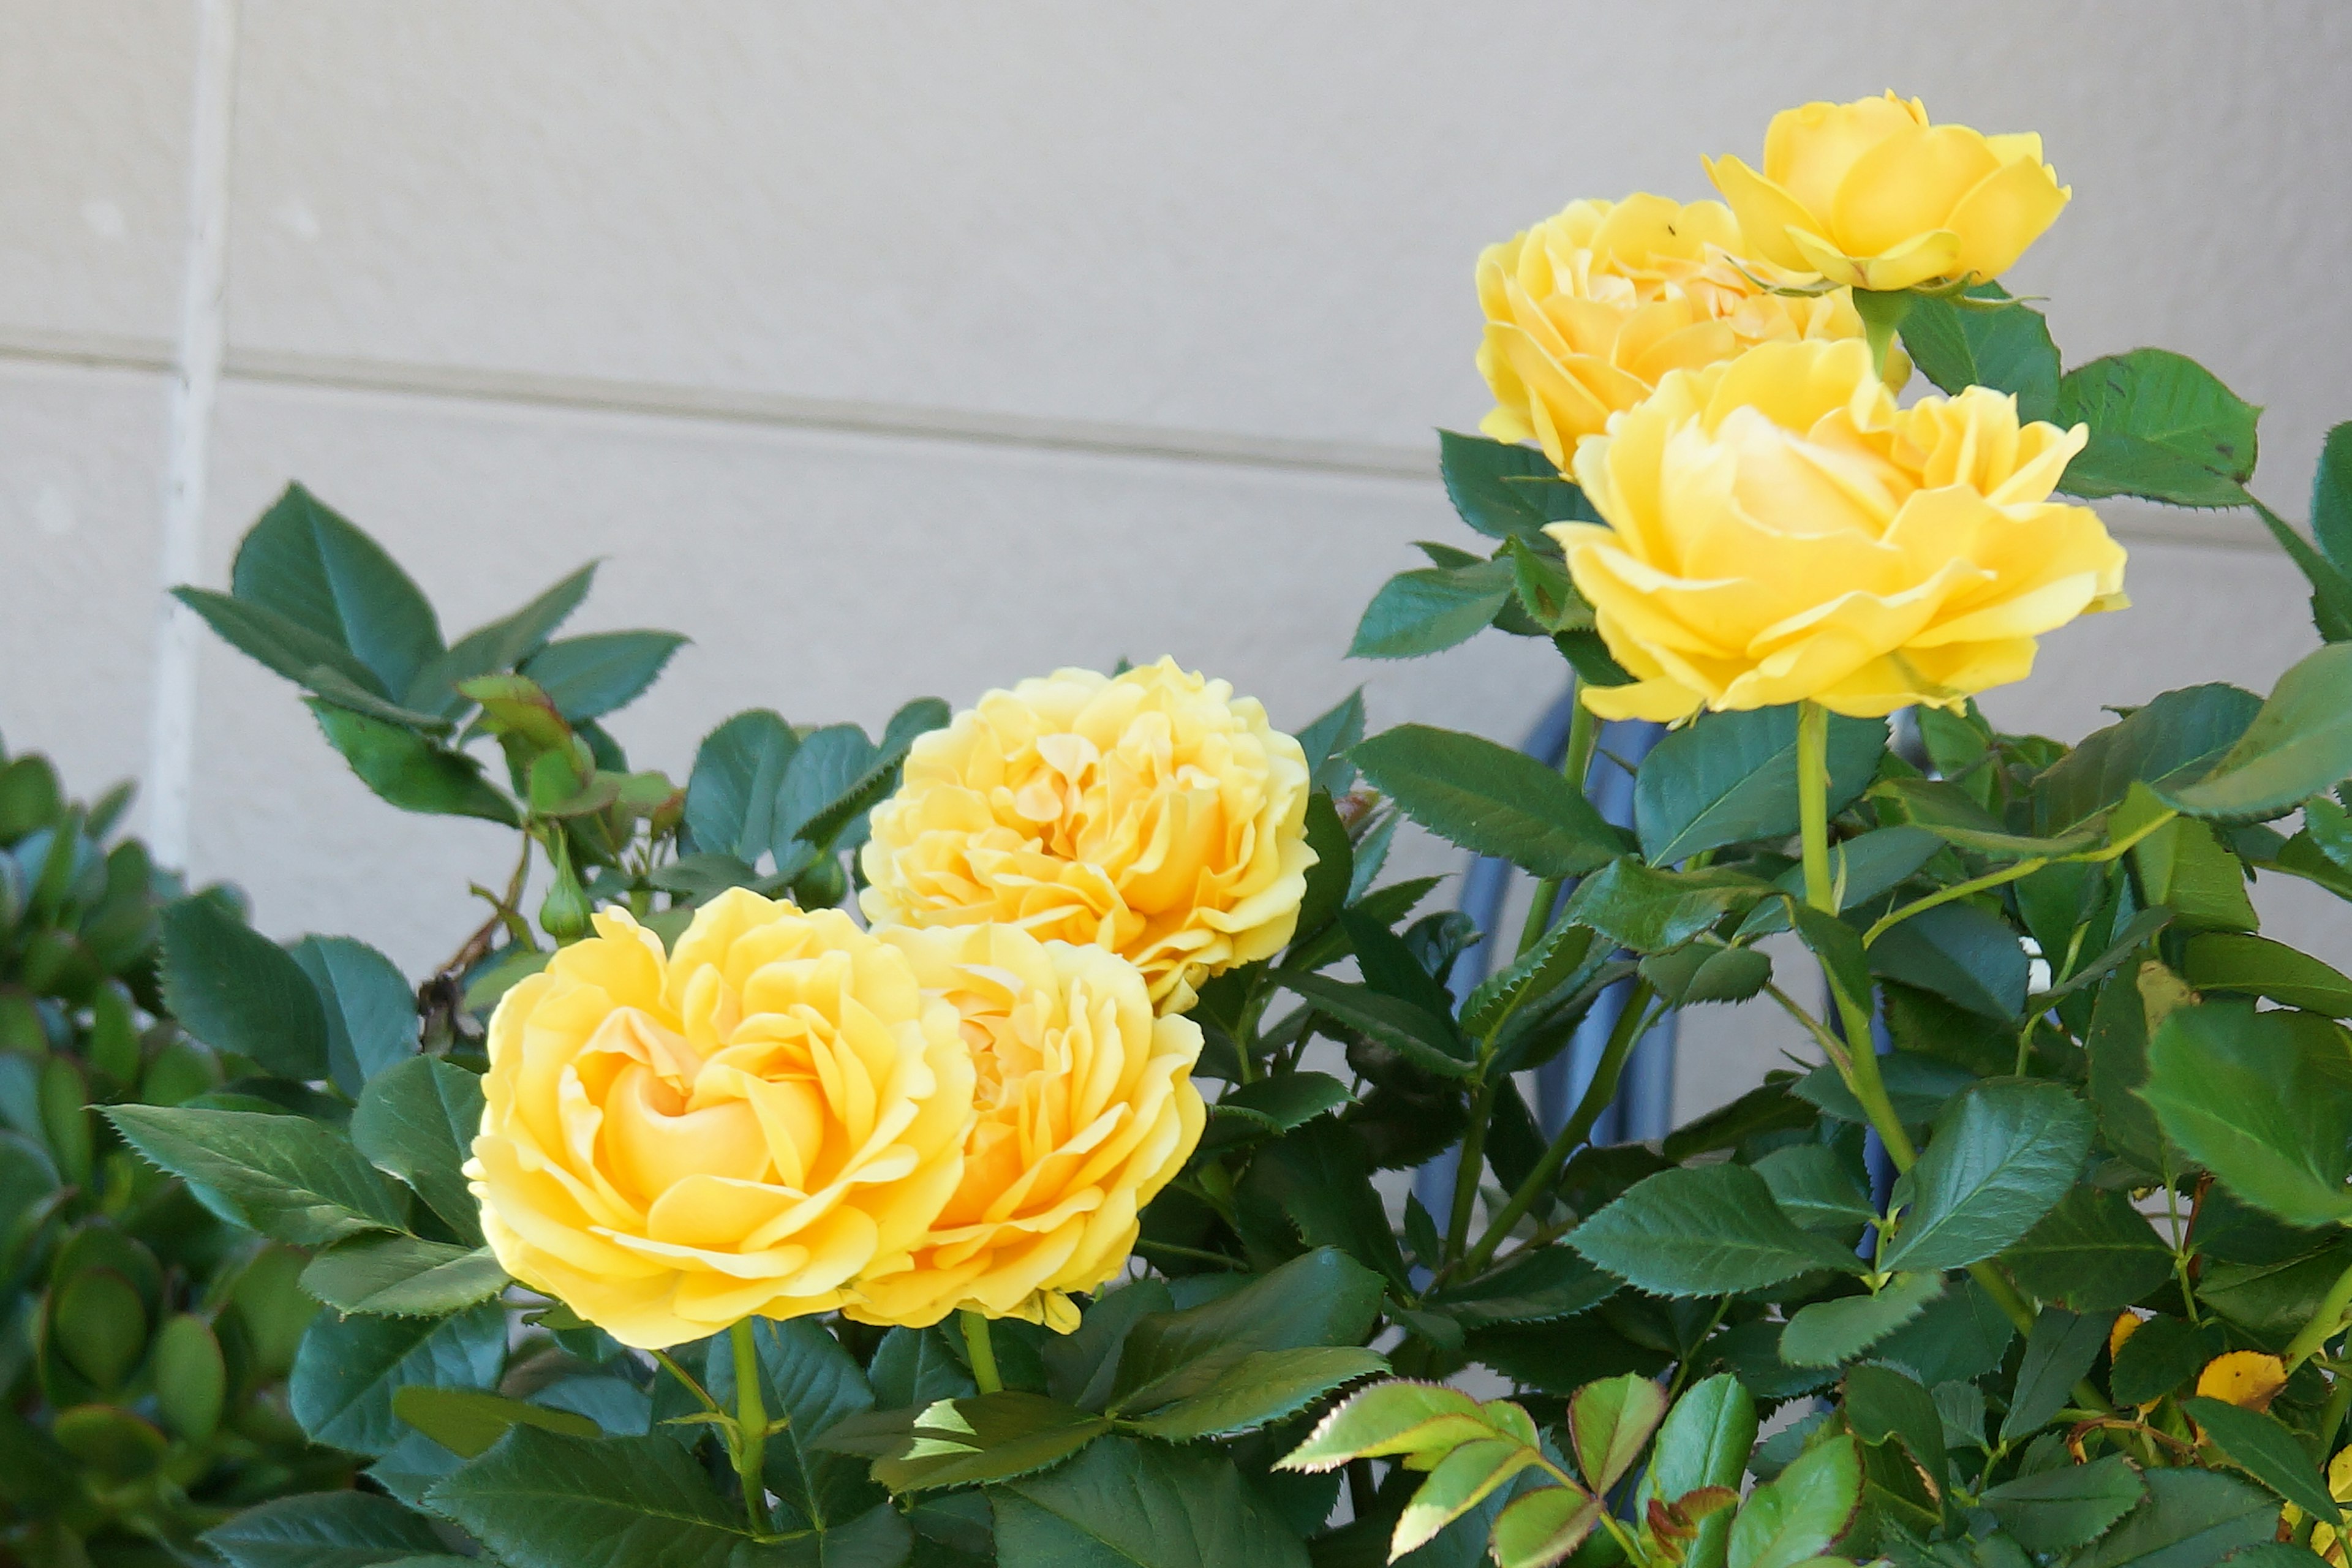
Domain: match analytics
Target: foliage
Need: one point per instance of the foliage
(144, 1342)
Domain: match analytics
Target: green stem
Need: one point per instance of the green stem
(2326, 1321)
(1575, 765)
(751, 1426)
(1467, 1169)
(2025, 867)
(2331, 1414)
(976, 1344)
(1813, 802)
(1198, 1254)
(1631, 1025)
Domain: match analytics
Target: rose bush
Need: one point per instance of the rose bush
(2053, 1272)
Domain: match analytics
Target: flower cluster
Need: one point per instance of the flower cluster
(1779, 529)
(966, 1106)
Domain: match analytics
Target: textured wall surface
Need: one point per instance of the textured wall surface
(916, 348)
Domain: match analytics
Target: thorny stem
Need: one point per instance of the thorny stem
(750, 1443)
(502, 911)
(977, 1345)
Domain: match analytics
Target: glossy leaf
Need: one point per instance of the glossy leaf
(2261, 1099)
(1801, 1513)
(1609, 1422)
(327, 1530)
(2006, 347)
(2191, 1519)
(1260, 1390)
(2058, 1353)
(1506, 490)
(589, 677)
(403, 1276)
(2254, 965)
(1704, 1441)
(2298, 745)
(1964, 955)
(237, 990)
(731, 794)
(406, 770)
(1999, 1159)
(2093, 1253)
(1488, 798)
(1322, 1298)
(1831, 1333)
(418, 1122)
(2257, 1444)
(282, 1176)
(307, 562)
(370, 1014)
(1428, 611)
(1731, 777)
(1140, 1505)
(2175, 737)
(467, 1421)
(349, 1368)
(2068, 1506)
(1701, 1231)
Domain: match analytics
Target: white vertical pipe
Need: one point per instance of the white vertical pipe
(195, 384)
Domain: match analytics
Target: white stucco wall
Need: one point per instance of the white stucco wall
(897, 348)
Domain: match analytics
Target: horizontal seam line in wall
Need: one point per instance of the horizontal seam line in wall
(721, 405)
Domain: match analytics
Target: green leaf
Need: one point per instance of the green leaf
(327, 1530)
(1457, 1483)
(2161, 1355)
(1428, 611)
(1999, 1158)
(1881, 1402)
(1125, 1504)
(1535, 974)
(1731, 777)
(1704, 1231)
(2058, 1353)
(2093, 1253)
(987, 1438)
(2006, 347)
(2162, 427)
(832, 779)
(408, 771)
(1918, 1087)
(1968, 957)
(539, 1500)
(1801, 1513)
(1768, 1108)
(1259, 1390)
(1609, 1423)
(1504, 490)
(1830, 1334)
(1705, 1441)
(2175, 737)
(1702, 973)
(812, 1385)
(1429, 1041)
(1648, 910)
(280, 643)
(1540, 1285)
(1546, 1525)
(1490, 798)
(2261, 1100)
(467, 1421)
(348, 1370)
(282, 1176)
(731, 796)
(418, 1122)
(2068, 1506)
(403, 1276)
(2232, 961)
(2184, 867)
(2298, 745)
(590, 676)
(502, 644)
(2257, 1444)
(1811, 1184)
(370, 1012)
(2191, 1518)
(1421, 1419)
(1321, 1299)
(237, 990)
(306, 562)
(1316, 1181)
(1284, 1101)
(1326, 742)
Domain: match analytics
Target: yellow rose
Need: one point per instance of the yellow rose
(1869, 194)
(1154, 814)
(762, 1121)
(1781, 531)
(1588, 309)
(1086, 1108)
(2325, 1540)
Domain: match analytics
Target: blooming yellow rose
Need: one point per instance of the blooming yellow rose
(1154, 814)
(1870, 193)
(762, 1121)
(2325, 1539)
(1588, 309)
(1781, 531)
(1086, 1108)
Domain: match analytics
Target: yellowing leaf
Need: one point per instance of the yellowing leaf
(2250, 1379)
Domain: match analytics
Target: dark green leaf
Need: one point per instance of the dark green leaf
(1801, 1513)
(1327, 740)
(1731, 777)
(1535, 974)
(2258, 1445)
(2006, 347)
(2058, 1352)
(1919, 1087)
(2191, 1518)
(812, 1385)
(988, 1437)
(1433, 609)
(2176, 737)
(2160, 1356)
(1651, 911)
(403, 1277)
(2118, 1052)
(1769, 1108)
(1317, 1182)
(2261, 1100)
(1704, 1441)
(1322, 1298)
(408, 771)
(1813, 1186)
(731, 796)
(309, 564)
(237, 990)
(1284, 1101)
(1999, 1158)
(1962, 1335)
(327, 1530)
(1334, 870)
(282, 644)
(418, 1122)
(1125, 1504)
(349, 1368)
(467, 1421)
(1961, 954)
(370, 1014)
(1490, 798)
(1080, 1366)
(2165, 400)
(2298, 745)
(1704, 1231)
(1259, 1390)
(2094, 1253)
(1702, 973)
(2229, 961)
(589, 677)
(282, 1176)
(1537, 1286)
(501, 645)
(2064, 1508)
(1830, 1334)
(1881, 1404)
(832, 777)
(1429, 1041)
(1504, 490)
